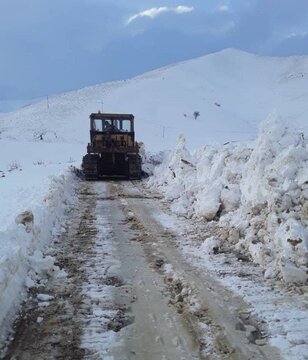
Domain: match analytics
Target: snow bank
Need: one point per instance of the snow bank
(254, 197)
(22, 263)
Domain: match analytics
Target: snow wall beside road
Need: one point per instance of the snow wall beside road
(254, 196)
(22, 263)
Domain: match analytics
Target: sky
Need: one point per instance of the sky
(52, 46)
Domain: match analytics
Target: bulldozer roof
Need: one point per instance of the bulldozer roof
(110, 116)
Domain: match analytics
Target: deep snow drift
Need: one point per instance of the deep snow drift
(254, 196)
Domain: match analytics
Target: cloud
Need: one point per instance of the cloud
(154, 12)
(300, 34)
(224, 8)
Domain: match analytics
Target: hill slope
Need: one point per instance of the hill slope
(232, 90)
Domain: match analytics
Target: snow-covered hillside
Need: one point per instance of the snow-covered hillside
(11, 105)
(232, 90)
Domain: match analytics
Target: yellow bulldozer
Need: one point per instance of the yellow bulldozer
(112, 151)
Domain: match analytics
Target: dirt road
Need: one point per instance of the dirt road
(129, 292)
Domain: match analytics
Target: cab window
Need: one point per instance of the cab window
(98, 125)
(126, 126)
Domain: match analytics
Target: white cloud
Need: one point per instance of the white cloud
(154, 12)
(183, 9)
(223, 8)
(299, 34)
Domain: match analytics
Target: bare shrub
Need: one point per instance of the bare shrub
(39, 162)
(14, 165)
(196, 114)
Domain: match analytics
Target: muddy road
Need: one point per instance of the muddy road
(129, 293)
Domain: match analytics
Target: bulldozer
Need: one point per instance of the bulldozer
(112, 151)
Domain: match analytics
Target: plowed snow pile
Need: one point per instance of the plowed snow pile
(35, 194)
(254, 196)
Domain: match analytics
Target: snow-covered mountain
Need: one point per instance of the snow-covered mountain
(11, 105)
(232, 90)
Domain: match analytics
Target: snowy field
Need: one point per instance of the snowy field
(256, 189)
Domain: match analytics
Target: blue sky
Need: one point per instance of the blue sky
(53, 46)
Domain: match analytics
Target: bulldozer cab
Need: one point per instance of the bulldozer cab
(112, 125)
(112, 150)
(111, 131)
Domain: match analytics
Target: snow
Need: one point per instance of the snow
(281, 310)
(96, 336)
(26, 185)
(11, 105)
(252, 191)
(257, 189)
(211, 245)
(22, 260)
(252, 198)
(45, 297)
(232, 90)
(35, 178)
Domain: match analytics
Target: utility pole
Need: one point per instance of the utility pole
(102, 106)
